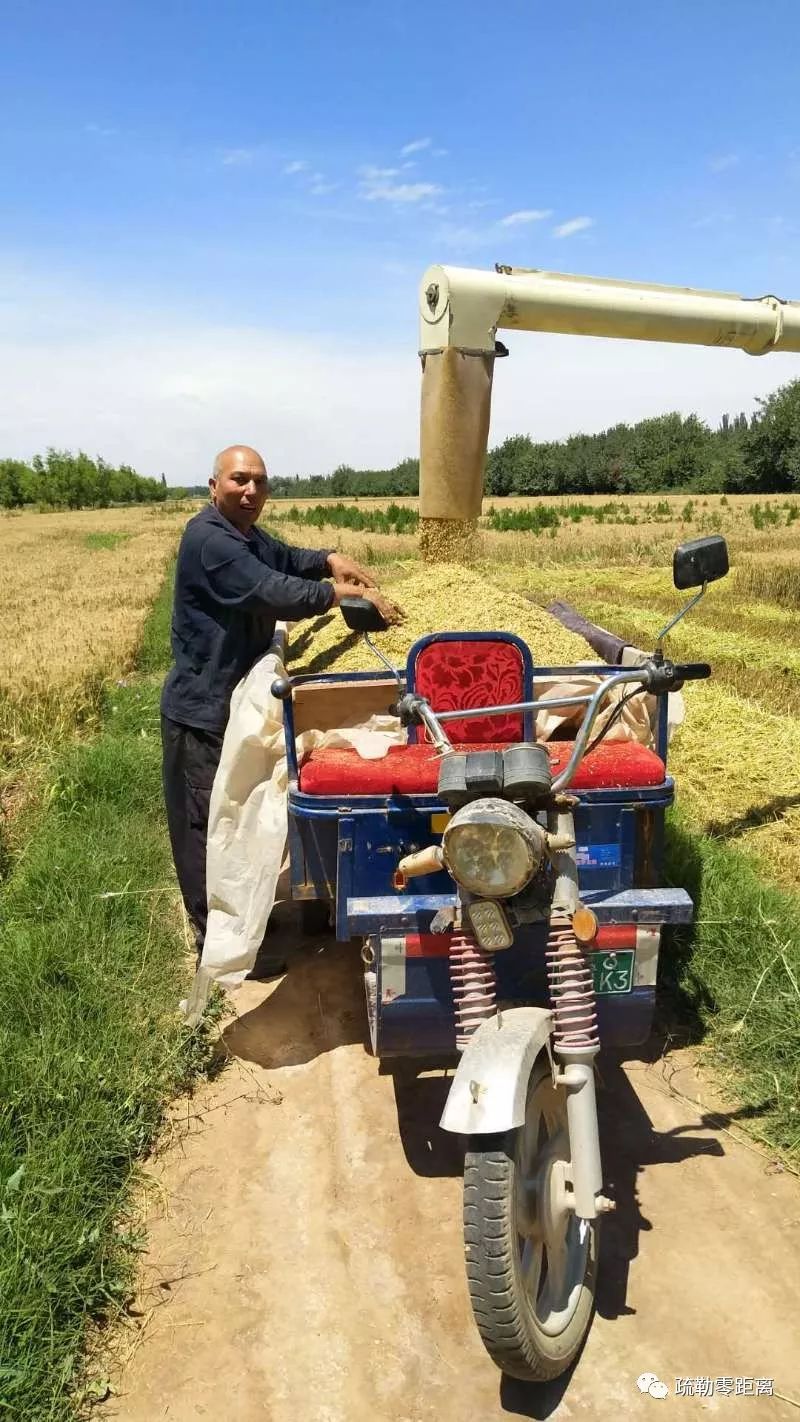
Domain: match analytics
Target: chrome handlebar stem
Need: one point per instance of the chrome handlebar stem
(434, 723)
(618, 679)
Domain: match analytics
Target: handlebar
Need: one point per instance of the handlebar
(655, 676)
(691, 671)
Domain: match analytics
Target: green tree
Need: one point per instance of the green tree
(506, 466)
(342, 480)
(16, 483)
(669, 452)
(772, 444)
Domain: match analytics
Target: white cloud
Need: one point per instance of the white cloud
(165, 391)
(377, 186)
(416, 146)
(575, 224)
(464, 237)
(371, 174)
(315, 183)
(721, 162)
(237, 157)
(165, 402)
(440, 152)
(527, 214)
(100, 130)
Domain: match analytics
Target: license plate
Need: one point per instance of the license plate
(613, 972)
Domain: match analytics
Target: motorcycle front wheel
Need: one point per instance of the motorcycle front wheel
(531, 1262)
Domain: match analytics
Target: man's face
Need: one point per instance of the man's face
(240, 488)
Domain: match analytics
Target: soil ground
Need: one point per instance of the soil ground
(305, 1259)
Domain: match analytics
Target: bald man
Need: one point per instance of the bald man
(232, 583)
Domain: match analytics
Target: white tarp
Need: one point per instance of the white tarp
(636, 721)
(247, 823)
(247, 826)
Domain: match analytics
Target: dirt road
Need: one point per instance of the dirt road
(305, 1260)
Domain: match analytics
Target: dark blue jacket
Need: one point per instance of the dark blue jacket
(230, 589)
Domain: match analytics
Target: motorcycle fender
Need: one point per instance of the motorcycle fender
(491, 1083)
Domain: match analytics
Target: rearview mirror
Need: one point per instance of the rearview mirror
(361, 615)
(701, 560)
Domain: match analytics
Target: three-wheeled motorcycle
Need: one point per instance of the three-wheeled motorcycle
(508, 898)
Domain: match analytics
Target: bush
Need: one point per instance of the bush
(397, 518)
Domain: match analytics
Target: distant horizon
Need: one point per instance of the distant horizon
(326, 473)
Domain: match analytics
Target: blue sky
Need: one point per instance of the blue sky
(213, 217)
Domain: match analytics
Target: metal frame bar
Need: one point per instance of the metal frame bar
(432, 720)
(517, 706)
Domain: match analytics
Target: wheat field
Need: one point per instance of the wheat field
(75, 589)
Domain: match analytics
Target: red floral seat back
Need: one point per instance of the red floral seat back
(486, 671)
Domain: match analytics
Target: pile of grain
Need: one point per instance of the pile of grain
(444, 597)
(450, 540)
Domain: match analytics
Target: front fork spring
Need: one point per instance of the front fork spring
(474, 985)
(569, 979)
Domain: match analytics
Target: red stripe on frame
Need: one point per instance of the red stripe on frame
(615, 935)
(437, 945)
(428, 945)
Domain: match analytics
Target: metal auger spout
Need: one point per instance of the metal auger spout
(461, 311)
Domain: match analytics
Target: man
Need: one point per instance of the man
(232, 583)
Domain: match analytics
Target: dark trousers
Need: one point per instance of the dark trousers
(191, 757)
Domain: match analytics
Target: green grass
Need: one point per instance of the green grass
(91, 970)
(736, 976)
(154, 656)
(105, 540)
(532, 520)
(393, 519)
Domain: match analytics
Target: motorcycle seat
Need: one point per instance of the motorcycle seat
(414, 769)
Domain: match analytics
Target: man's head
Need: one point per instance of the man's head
(239, 485)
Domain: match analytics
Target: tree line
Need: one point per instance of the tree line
(669, 452)
(60, 480)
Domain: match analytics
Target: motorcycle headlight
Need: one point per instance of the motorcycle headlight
(493, 848)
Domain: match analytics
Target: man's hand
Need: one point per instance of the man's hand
(346, 570)
(389, 611)
(341, 590)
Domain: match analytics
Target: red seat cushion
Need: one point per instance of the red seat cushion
(465, 674)
(414, 769)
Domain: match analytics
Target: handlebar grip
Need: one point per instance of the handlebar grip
(691, 671)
